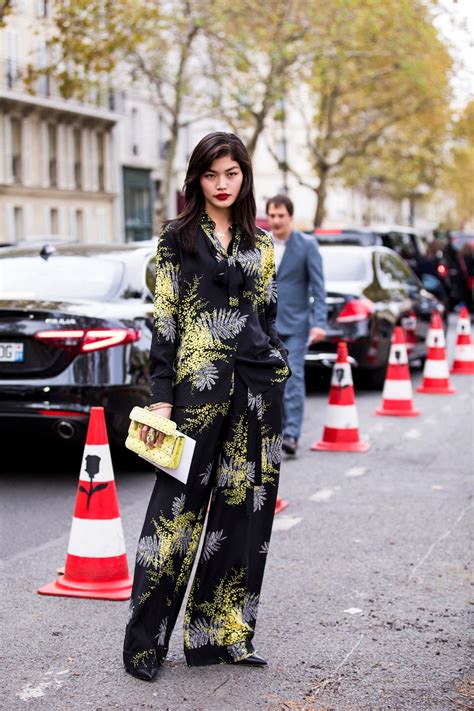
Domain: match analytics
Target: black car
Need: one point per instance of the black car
(459, 253)
(370, 290)
(75, 331)
(408, 243)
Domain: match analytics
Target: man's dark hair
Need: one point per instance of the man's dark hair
(279, 200)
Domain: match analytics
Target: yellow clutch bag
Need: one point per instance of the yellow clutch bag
(169, 454)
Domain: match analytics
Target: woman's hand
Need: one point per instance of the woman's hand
(152, 437)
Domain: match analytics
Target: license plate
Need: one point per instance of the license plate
(12, 353)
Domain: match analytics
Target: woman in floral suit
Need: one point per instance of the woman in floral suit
(218, 369)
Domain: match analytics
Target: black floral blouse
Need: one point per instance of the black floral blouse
(214, 313)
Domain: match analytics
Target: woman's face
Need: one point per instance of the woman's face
(221, 183)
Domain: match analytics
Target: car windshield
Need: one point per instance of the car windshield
(59, 278)
(363, 239)
(342, 265)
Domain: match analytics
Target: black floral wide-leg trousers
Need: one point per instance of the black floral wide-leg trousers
(237, 460)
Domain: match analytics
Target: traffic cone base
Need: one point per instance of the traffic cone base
(96, 562)
(461, 368)
(324, 446)
(280, 505)
(428, 389)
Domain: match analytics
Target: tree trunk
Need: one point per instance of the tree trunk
(323, 174)
(162, 207)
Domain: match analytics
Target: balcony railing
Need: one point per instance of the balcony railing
(101, 95)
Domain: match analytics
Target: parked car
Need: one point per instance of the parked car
(370, 290)
(407, 242)
(459, 253)
(75, 331)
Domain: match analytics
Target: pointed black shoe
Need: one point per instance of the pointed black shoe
(143, 673)
(254, 660)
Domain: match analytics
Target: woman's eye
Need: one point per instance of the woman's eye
(232, 175)
(209, 176)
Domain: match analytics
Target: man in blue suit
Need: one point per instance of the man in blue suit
(300, 321)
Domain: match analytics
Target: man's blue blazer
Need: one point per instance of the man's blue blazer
(299, 277)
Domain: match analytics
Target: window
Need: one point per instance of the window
(43, 8)
(18, 224)
(101, 160)
(53, 162)
(79, 225)
(54, 218)
(16, 150)
(134, 132)
(393, 271)
(77, 157)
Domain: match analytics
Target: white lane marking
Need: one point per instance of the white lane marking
(322, 495)
(353, 610)
(284, 522)
(412, 434)
(356, 471)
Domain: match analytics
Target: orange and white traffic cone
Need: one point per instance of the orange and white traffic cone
(280, 505)
(436, 371)
(397, 395)
(341, 432)
(463, 363)
(96, 563)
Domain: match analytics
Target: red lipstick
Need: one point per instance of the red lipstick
(222, 196)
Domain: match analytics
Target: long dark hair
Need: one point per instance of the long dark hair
(210, 148)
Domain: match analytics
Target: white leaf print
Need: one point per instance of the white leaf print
(251, 261)
(178, 504)
(250, 467)
(250, 607)
(229, 473)
(181, 540)
(206, 377)
(256, 402)
(273, 450)
(166, 326)
(259, 497)
(264, 548)
(272, 293)
(223, 324)
(206, 474)
(148, 550)
(161, 636)
(198, 633)
(212, 543)
(201, 632)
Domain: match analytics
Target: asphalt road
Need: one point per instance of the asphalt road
(366, 598)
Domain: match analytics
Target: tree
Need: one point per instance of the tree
(152, 43)
(255, 48)
(460, 166)
(379, 66)
(5, 9)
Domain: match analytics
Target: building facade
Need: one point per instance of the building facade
(58, 158)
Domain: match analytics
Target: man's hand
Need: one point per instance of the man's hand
(316, 334)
